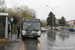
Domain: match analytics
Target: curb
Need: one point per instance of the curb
(9, 41)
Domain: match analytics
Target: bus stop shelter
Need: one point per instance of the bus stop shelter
(4, 24)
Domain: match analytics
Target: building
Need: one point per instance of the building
(44, 21)
(57, 21)
(71, 23)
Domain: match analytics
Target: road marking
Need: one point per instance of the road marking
(33, 41)
(22, 47)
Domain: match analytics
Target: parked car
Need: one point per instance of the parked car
(61, 28)
(43, 29)
(72, 29)
(58, 28)
(53, 28)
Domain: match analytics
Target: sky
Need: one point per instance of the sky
(66, 7)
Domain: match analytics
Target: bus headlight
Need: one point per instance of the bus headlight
(39, 32)
(23, 32)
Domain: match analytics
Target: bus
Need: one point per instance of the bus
(30, 27)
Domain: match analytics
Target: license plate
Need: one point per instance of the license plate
(33, 31)
(30, 36)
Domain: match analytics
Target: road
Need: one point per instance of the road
(54, 41)
(50, 40)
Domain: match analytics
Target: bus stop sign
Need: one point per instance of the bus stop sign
(12, 19)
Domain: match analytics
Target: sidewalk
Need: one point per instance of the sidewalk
(11, 44)
(12, 37)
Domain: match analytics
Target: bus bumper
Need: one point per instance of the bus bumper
(26, 36)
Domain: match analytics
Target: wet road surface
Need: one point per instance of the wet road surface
(56, 41)
(67, 39)
(10, 46)
(48, 41)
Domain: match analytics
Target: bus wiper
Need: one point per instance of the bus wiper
(28, 27)
(35, 29)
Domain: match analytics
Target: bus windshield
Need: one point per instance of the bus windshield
(33, 26)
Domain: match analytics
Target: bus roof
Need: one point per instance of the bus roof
(30, 19)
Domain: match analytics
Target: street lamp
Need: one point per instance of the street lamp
(53, 18)
(53, 11)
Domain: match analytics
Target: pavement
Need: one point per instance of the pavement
(13, 43)
(12, 37)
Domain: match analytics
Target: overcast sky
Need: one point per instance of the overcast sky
(66, 7)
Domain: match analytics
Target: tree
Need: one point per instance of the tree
(16, 19)
(50, 18)
(43, 24)
(22, 12)
(10, 12)
(62, 21)
(3, 7)
(33, 13)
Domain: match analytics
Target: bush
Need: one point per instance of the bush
(43, 24)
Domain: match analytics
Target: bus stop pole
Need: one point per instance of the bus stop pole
(11, 29)
(6, 28)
